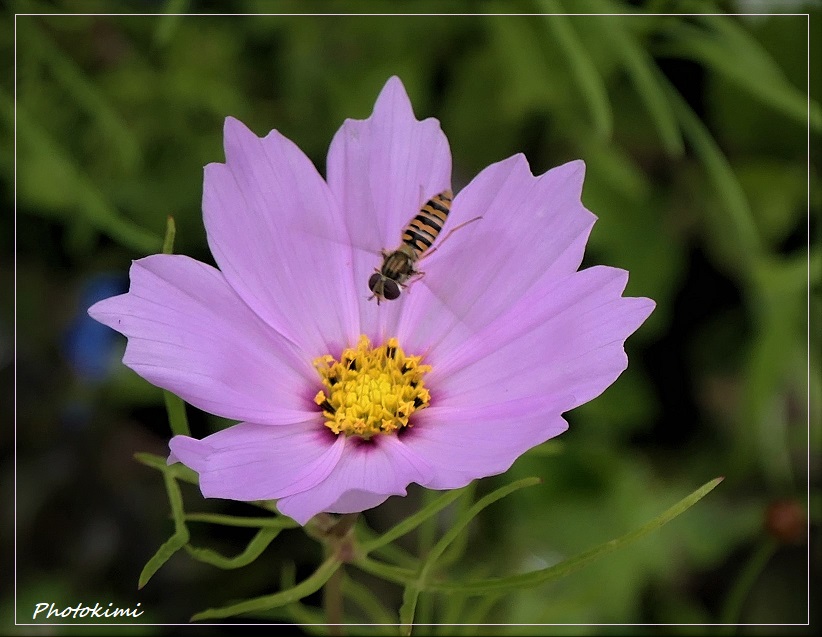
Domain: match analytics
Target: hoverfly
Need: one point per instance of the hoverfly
(417, 238)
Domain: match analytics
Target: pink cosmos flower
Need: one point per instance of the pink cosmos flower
(344, 402)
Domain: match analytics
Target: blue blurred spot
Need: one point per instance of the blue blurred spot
(88, 345)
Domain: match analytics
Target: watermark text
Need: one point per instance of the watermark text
(98, 611)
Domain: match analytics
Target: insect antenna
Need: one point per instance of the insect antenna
(445, 238)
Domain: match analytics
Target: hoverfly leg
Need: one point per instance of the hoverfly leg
(415, 276)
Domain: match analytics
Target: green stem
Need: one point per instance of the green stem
(176, 409)
(333, 603)
(396, 574)
(732, 611)
(425, 541)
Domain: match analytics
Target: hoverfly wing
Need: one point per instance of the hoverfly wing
(341, 239)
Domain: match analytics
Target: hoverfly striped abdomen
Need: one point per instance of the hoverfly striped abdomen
(423, 229)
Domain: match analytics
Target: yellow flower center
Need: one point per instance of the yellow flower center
(369, 390)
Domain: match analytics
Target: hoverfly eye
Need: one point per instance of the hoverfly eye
(374, 281)
(390, 289)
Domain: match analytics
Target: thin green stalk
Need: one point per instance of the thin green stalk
(233, 520)
(732, 609)
(425, 540)
(177, 419)
(573, 564)
(253, 550)
(724, 180)
(88, 201)
(458, 547)
(412, 522)
(420, 583)
(333, 603)
(582, 67)
(396, 574)
(364, 597)
(266, 602)
(178, 470)
(177, 540)
(171, 234)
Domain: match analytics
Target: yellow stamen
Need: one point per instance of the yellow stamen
(369, 390)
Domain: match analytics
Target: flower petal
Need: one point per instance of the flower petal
(565, 337)
(531, 229)
(367, 474)
(356, 501)
(463, 444)
(259, 462)
(268, 214)
(382, 170)
(190, 333)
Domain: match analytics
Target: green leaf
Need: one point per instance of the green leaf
(646, 77)
(740, 216)
(777, 191)
(734, 36)
(777, 347)
(151, 460)
(410, 596)
(79, 192)
(163, 554)
(529, 82)
(791, 275)
(458, 547)
(732, 610)
(309, 585)
(367, 600)
(253, 550)
(734, 54)
(389, 572)
(312, 619)
(426, 536)
(412, 522)
(390, 552)
(465, 518)
(280, 522)
(85, 93)
(168, 22)
(589, 81)
(566, 567)
(176, 470)
(454, 609)
(413, 589)
(479, 610)
(175, 499)
(176, 541)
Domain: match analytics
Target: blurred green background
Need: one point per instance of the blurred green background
(695, 133)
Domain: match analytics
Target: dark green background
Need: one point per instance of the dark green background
(695, 133)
